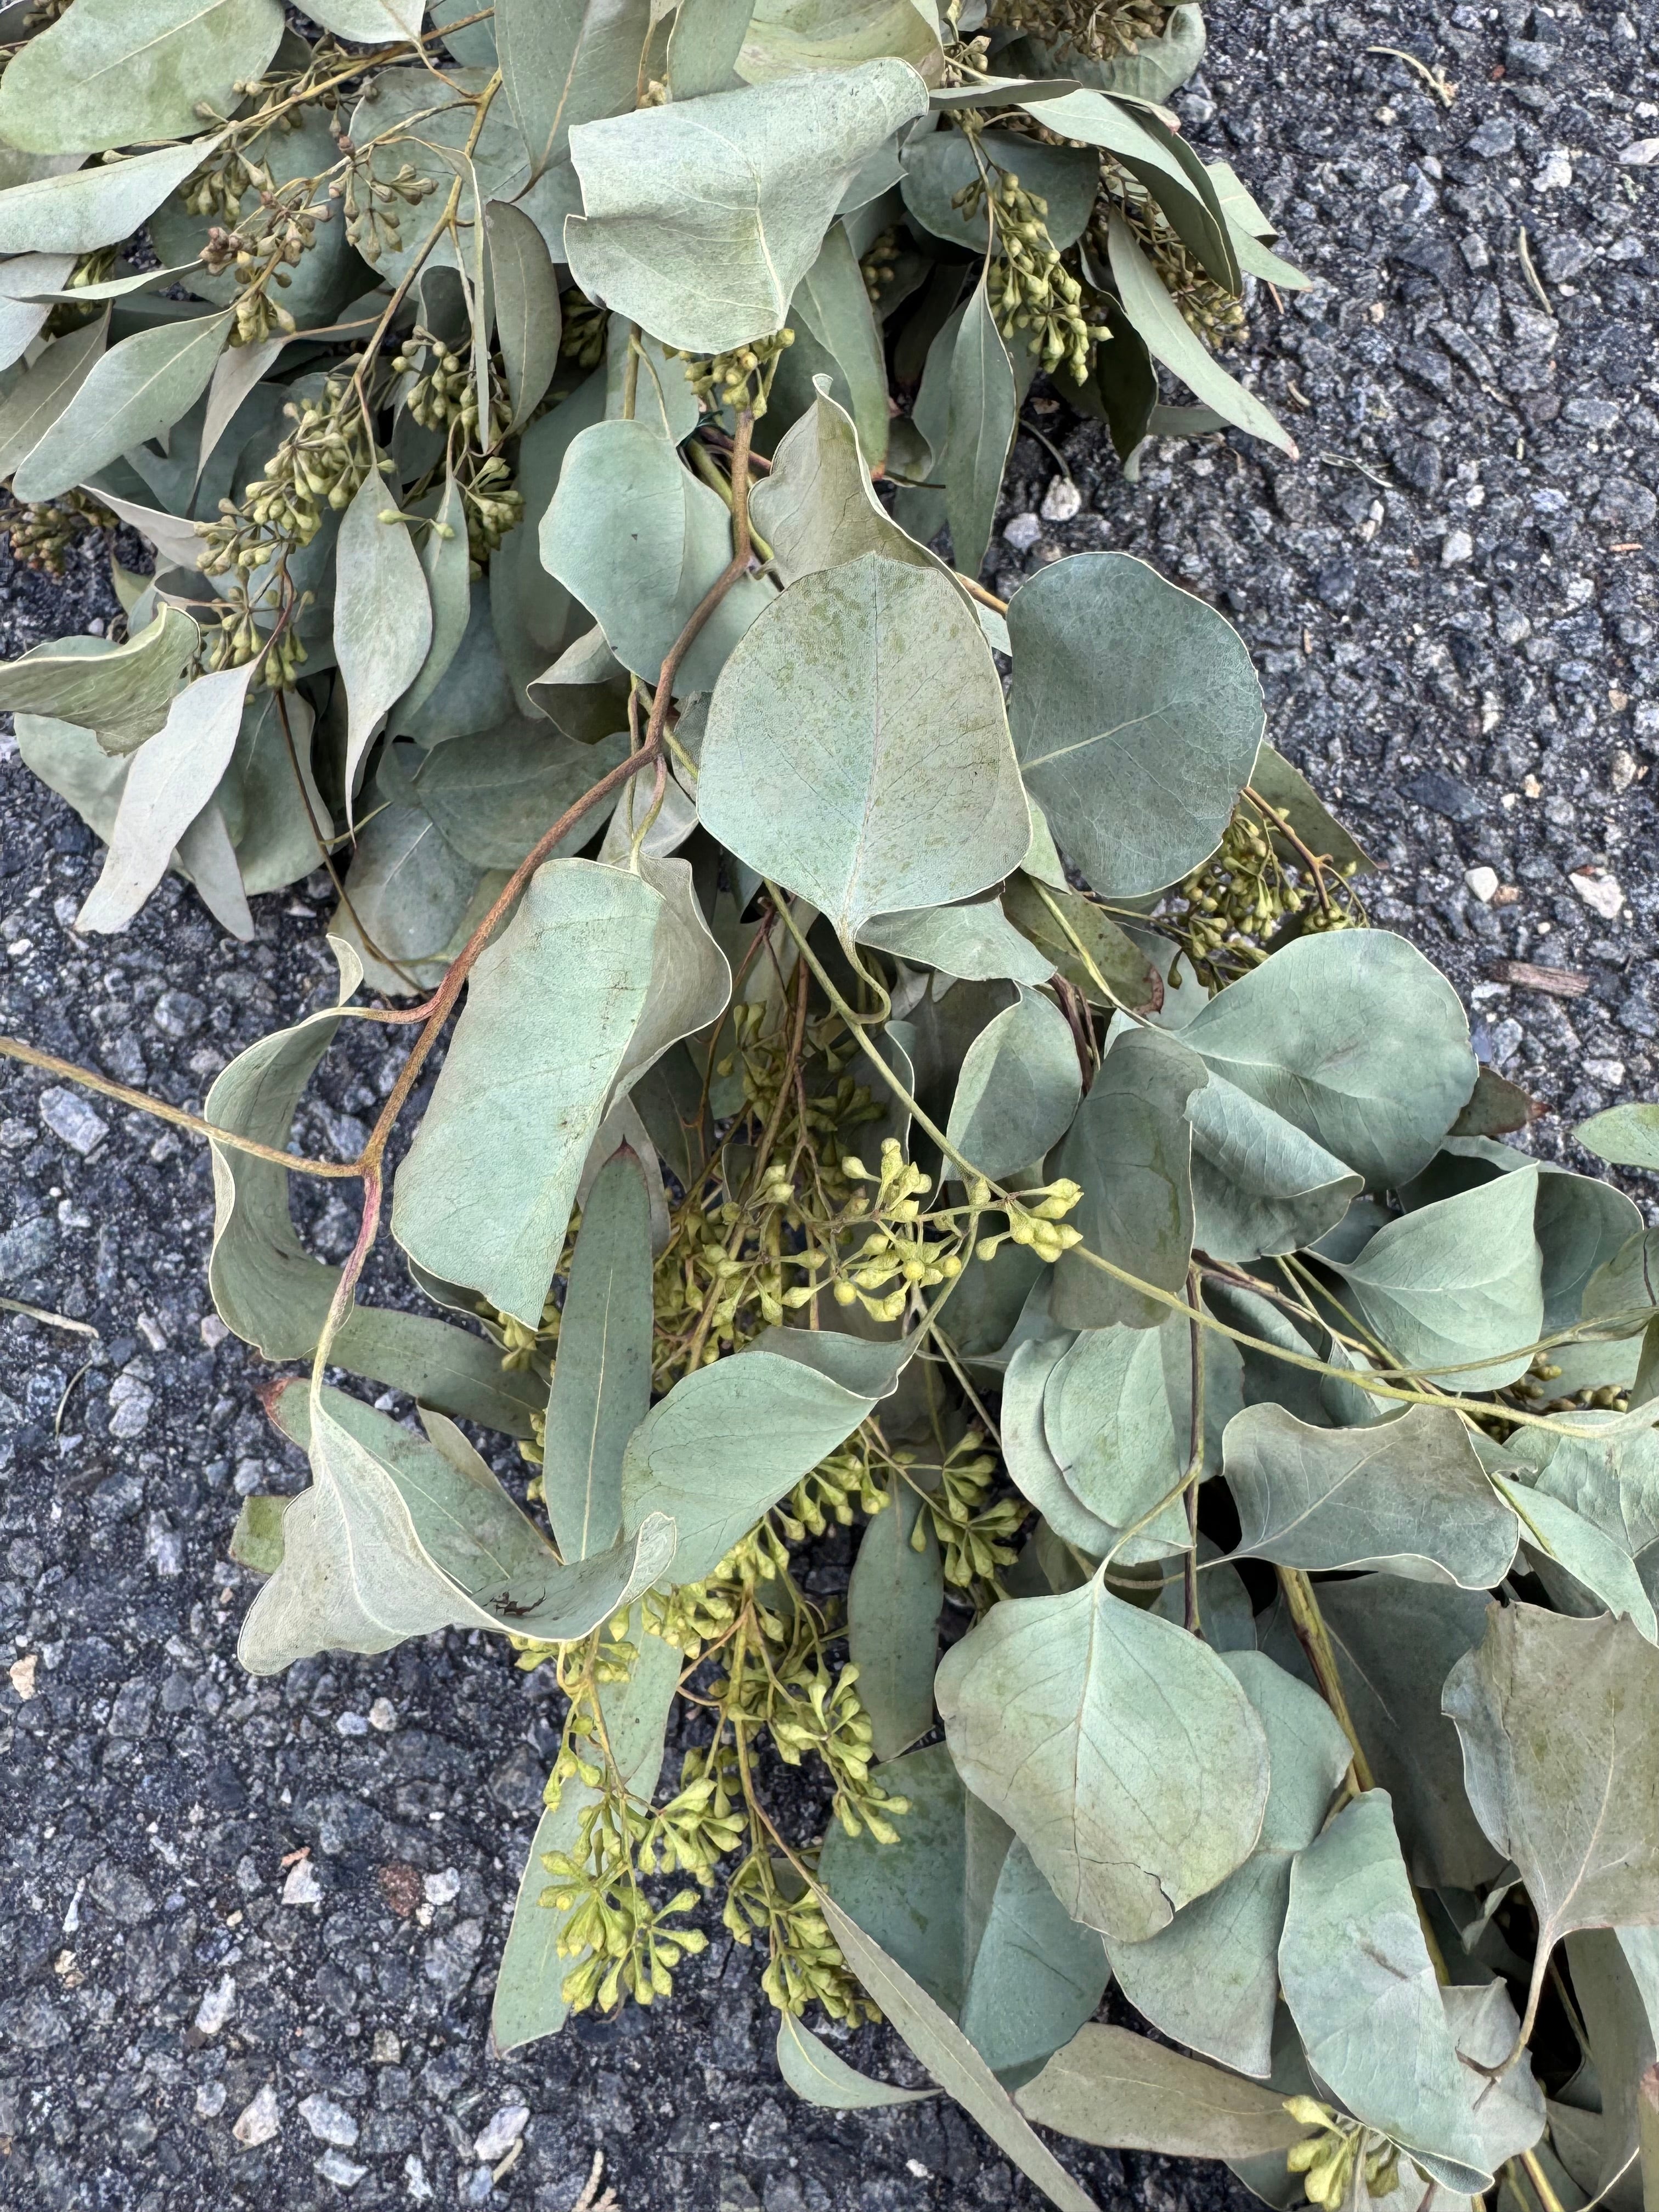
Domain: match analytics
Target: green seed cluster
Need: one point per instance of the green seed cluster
(317, 469)
(1245, 894)
(739, 379)
(371, 203)
(1098, 31)
(1330, 2160)
(880, 265)
(41, 535)
(241, 638)
(262, 250)
(1031, 289)
(1209, 309)
(582, 330)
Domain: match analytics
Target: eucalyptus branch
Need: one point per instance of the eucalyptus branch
(141, 1101)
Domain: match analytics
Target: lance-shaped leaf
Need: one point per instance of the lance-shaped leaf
(122, 692)
(134, 392)
(725, 1444)
(1407, 1495)
(1260, 1184)
(820, 759)
(1120, 1750)
(42, 392)
(832, 304)
(528, 321)
(269, 1289)
(1625, 1136)
(951, 2060)
(1395, 1642)
(1616, 1980)
(1153, 152)
(81, 211)
(984, 411)
(602, 1378)
(1109, 2086)
(822, 2076)
(816, 507)
(171, 779)
(639, 540)
(1314, 1034)
(956, 1902)
(566, 63)
(529, 1999)
(1018, 1088)
(1560, 1723)
(445, 564)
(1130, 1148)
(1362, 1989)
(397, 1538)
(26, 287)
(893, 1599)
(1455, 1290)
(382, 615)
(114, 72)
(975, 942)
(1136, 714)
(1211, 1978)
(1078, 938)
(208, 857)
(1156, 317)
(703, 216)
(484, 1196)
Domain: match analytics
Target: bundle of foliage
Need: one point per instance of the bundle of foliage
(1121, 1246)
(328, 340)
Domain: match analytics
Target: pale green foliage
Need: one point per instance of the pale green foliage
(920, 1069)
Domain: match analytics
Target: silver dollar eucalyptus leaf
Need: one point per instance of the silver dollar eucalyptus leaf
(819, 759)
(1121, 1751)
(702, 217)
(1136, 713)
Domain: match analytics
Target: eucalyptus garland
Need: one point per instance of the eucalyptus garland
(915, 1071)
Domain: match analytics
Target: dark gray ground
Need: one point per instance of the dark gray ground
(1452, 599)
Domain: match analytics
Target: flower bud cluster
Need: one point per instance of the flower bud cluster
(371, 203)
(317, 469)
(1098, 29)
(879, 266)
(1245, 894)
(1030, 288)
(41, 535)
(1209, 309)
(1036, 1219)
(740, 378)
(1327, 2160)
